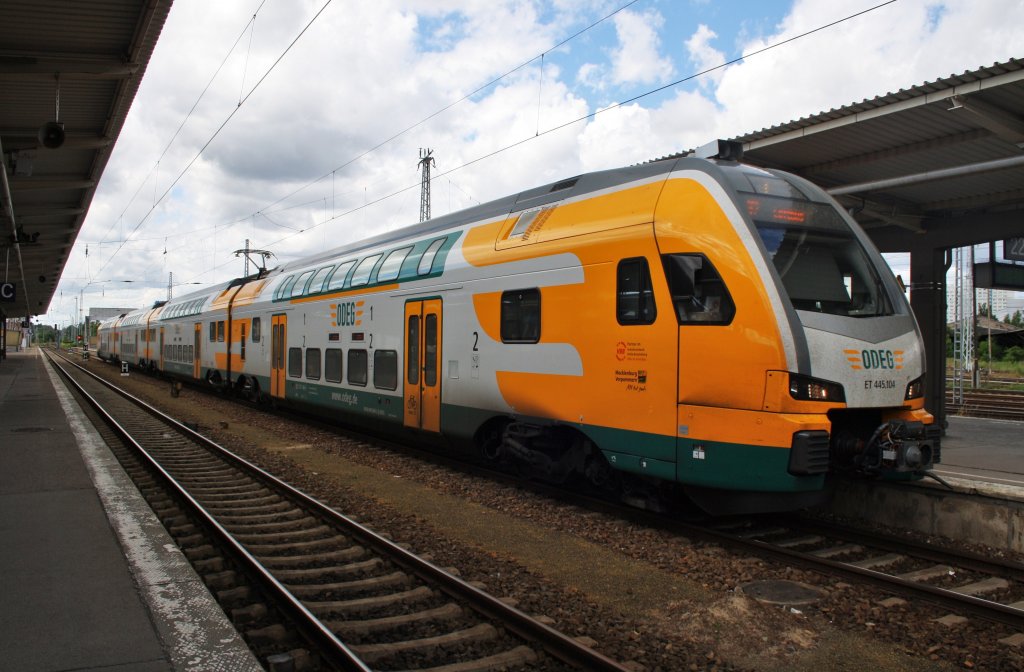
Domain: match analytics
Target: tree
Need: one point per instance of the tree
(1014, 354)
(997, 350)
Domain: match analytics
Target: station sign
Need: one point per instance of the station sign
(8, 292)
(1013, 249)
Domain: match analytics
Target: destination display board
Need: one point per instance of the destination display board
(991, 275)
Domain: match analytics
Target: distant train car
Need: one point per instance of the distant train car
(692, 321)
(106, 347)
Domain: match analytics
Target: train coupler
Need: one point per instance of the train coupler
(900, 446)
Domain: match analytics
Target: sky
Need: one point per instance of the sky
(297, 125)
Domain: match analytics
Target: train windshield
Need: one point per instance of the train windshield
(823, 267)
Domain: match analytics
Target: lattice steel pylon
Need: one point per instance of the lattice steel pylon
(426, 160)
(963, 321)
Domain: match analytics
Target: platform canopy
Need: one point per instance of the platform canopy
(69, 72)
(944, 159)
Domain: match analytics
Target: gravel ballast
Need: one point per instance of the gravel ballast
(649, 597)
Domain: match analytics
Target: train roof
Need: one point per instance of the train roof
(530, 198)
(536, 197)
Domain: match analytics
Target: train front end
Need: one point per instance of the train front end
(821, 354)
(857, 344)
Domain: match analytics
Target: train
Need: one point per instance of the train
(691, 326)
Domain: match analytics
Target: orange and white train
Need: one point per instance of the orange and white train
(694, 322)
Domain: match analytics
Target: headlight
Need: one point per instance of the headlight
(806, 388)
(915, 389)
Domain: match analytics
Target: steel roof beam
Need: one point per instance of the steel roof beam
(40, 183)
(68, 66)
(895, 152)
(971, 202)
(1005, 124)
(23, 138)
(929, 175)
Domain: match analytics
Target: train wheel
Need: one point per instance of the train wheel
(596, 469)
(251, 390)
(489, 442)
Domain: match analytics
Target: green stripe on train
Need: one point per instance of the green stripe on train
(718, 465)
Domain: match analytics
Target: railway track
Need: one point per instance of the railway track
(308, 586)
(960, 581)
(957, 580)
(981, 403)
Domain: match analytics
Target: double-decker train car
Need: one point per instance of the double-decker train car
(131, 338)
(107, 346)
(693, 322)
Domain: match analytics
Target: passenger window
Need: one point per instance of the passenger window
(256, 330)
(313, 363)
(337, 279)
(412, 355)
(520, 316)
(385, 369)
(332, 365)
(361, 276)
(427, 260)
(295, 362)
(634, 302)
(213, 332)
(430, 350)
(300, 285)
(220, 331)
(392, 264)
(285, 288)
(357, 367)
(317, 283)
(698, 293)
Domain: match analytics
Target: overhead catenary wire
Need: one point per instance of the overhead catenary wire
(268, 208)
(452, 104)
(219, 129)
(184, 121)
(577, 120)
(591, 115)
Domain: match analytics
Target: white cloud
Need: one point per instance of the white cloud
(637, 59)
(365, 72)
(704, 56)
(897, 46)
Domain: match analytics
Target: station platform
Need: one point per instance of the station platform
(981, 449)
(980, 498)
(89, 578)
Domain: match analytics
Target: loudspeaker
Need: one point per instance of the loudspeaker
(51, 134)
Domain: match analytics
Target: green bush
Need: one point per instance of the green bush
(997, 350)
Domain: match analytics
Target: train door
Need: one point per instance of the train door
(422, 364)
(278, 348)
(197, 339)
(160, 355)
